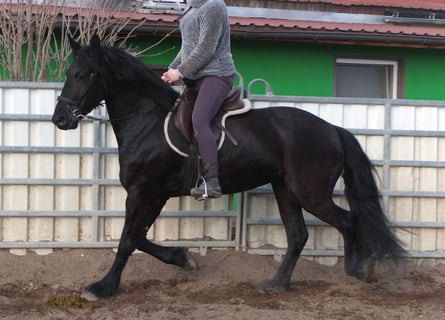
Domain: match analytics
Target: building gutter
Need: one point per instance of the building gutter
(294, 34)
(414, 21)
(353, 37)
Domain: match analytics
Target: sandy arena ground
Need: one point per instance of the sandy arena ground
(49, 287)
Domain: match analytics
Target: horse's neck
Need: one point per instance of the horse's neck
(129, 115)
(129, 106)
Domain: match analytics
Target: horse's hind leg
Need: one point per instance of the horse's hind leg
(296, 233)
(343, 221)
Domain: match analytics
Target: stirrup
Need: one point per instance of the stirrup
(205, 195)
(206, 190)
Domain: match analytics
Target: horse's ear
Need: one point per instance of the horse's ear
(73, 43)
(95, 44)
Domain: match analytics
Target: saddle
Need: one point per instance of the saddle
(182, 119)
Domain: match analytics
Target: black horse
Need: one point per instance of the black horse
(301, 155)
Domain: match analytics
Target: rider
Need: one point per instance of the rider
(205, 64)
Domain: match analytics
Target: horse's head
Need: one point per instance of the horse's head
(83, 89)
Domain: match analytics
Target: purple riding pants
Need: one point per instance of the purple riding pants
(212, 91)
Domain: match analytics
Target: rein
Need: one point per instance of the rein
(73, 106)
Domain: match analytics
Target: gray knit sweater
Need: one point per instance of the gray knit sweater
(205, 49)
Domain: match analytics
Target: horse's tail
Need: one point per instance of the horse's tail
(372, 231)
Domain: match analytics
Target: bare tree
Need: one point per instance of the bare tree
(24, 36)
(38, 33)
(41, 36)
(13, 35)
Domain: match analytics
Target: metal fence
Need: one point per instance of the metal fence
(405, 141)
(61, 189)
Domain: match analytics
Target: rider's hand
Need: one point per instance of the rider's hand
(171, 76)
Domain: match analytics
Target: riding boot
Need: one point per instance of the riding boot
(209, 187)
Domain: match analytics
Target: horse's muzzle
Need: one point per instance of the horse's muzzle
(64, 120)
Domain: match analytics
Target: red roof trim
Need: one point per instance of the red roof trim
(414, 4)
(335, 26)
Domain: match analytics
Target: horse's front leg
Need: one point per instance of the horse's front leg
(140, 213)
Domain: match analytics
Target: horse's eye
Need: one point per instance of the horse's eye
(79, 76)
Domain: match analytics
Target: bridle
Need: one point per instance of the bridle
(74, 105)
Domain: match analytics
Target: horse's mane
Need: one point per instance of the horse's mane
(128, 69)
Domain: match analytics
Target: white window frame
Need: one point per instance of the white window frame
(393, 63)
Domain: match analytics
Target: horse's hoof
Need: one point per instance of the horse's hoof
(88, 296)
(96, 291)
(358, 275)
(371, 275)
(364, 272)
(272, 287)
(191, 264)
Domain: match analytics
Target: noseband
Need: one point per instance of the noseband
(74, 106)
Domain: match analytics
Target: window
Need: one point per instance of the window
(366, 78)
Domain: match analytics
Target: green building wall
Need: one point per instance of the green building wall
(307, 69)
